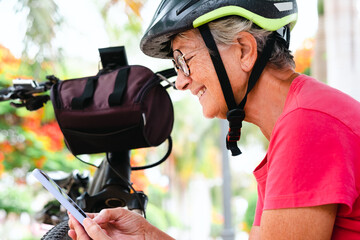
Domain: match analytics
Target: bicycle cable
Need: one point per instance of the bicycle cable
(158, 162)
(91, 164)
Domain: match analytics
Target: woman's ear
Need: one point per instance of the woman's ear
(247, 50)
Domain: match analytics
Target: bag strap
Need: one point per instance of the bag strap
(116, 96)
(79, 103)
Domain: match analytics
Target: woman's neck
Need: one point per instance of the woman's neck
(266, 101)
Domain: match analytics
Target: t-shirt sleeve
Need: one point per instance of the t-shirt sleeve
(311, 161)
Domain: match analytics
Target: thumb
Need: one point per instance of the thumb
(94, 230)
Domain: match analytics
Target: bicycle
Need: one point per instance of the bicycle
(110, 185)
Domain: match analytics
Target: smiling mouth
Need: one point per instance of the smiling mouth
(201, 92)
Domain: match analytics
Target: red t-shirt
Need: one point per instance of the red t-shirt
(314, 156)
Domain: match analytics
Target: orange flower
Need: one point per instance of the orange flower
(54, 136)
(6, 57)
(8, 62)
(303, 56)
(6, 147)
(2, 169)
(49, 133)
(216, 217)
(137, 157)
(32, 121)
(39, 163)
(140, 180)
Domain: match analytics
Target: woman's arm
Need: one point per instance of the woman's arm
(298, 223)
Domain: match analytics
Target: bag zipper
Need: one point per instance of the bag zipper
(150, 84)
(58, 103)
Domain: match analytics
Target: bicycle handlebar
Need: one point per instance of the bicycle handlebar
(24, 90)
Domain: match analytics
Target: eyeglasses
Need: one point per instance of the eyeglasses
(180, 61)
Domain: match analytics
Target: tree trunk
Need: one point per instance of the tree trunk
(319, 63)
(343, 45)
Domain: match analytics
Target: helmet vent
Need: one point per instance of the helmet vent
(284, 6)
(186, 6)
(161, 6)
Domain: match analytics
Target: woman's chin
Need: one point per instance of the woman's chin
(209, 114)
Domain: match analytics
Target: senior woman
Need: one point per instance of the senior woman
(233, 55)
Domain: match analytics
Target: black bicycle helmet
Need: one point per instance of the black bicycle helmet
(176, 16)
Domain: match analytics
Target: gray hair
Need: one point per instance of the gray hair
(224, 31)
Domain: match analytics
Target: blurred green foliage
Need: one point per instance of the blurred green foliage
(16, 200)
(321, 7)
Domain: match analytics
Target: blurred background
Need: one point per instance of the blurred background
(200, 192)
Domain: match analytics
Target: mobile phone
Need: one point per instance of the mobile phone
(60, 195)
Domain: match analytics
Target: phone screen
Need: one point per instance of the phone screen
(60, 195)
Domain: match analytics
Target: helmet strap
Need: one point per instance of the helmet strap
(219, 66)
(236, 113)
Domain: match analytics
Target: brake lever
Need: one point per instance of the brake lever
(32, 103)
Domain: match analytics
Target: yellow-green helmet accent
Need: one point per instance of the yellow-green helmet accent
(175, 16)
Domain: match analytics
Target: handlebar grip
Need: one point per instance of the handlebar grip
(4, 94)
(4, 91)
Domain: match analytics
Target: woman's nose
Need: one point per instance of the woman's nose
(182, 82)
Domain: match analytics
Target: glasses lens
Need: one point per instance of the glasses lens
(176, 67)
(180, 63)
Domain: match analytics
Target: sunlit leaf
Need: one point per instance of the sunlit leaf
(135, 5)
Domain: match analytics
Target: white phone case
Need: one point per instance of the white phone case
(60, 195)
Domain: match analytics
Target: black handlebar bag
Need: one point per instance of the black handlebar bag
(116, 110)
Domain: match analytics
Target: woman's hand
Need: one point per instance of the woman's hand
(114, 223)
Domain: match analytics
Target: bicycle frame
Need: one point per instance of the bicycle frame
(108, 190)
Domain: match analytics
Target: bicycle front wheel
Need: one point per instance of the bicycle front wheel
(58, 232)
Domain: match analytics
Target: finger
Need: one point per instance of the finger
(72, 234)
(80, 231)
(91, 215)
(72, 218)
(70, 222)
(94, 230)
(107, 215)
